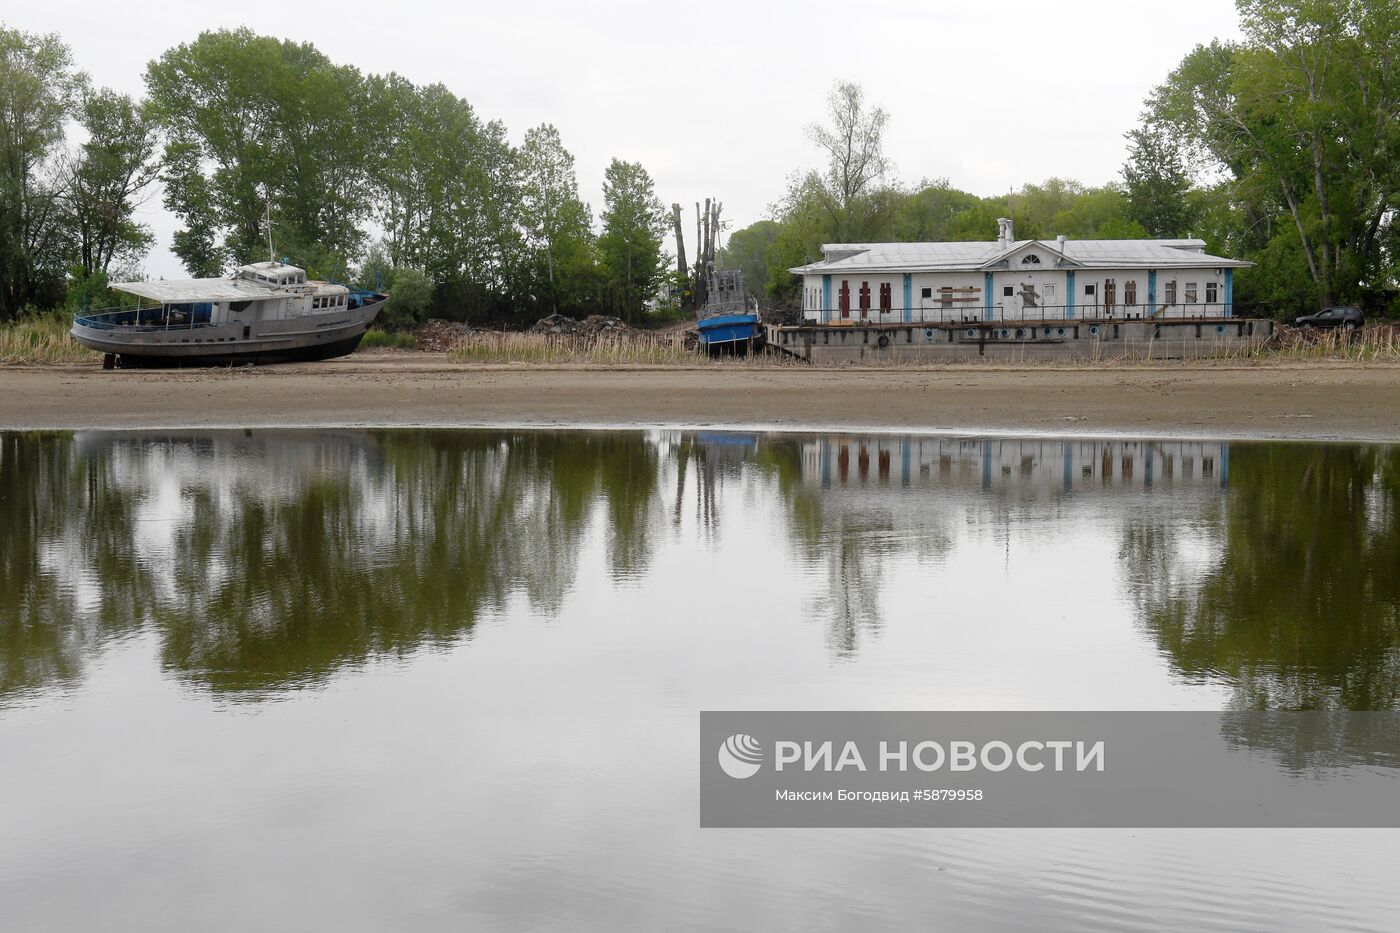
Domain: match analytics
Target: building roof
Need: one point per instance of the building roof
(979, 256)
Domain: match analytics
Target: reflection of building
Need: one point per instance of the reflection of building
(1045, 464)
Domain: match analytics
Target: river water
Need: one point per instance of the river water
(402, 679)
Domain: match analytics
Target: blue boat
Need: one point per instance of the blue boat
(727, 324)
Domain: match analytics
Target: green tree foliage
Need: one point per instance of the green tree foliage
(112, 171)
(634, 222)
(39, 89)
(558, 224)
(254, 120)
(1302, 118)
(410, 298)
(1157, 183)
(747, 250)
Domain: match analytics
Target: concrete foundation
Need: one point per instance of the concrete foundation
(1027, 340)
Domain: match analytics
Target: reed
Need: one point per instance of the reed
(41, 339)
(598, 349)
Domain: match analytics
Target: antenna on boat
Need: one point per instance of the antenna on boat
(271, 256)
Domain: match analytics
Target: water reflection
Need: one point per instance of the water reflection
(266, 560)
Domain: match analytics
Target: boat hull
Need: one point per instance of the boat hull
(311, 337)
(730, 332)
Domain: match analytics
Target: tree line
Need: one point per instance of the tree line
(1282, 149)
(365, 178)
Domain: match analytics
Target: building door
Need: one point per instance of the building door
(845, 298)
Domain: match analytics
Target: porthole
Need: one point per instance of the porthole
(970, 332)
(1059, 332)
(1045, 332)
(1004, 331)
(928, 332)
(1094, 330)
(1220, 328)
(1020, 332)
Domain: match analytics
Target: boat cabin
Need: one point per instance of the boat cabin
(260, 291)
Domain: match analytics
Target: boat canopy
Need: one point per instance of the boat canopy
(174, 291)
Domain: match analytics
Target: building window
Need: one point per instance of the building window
(1007, 291)
(864, 299)
(1049, 292)
(1212, 293)
(1171, 292)
(1130, 292)
(1030, 259)
(1190, 293)
(926, 293)
(886, 296)
(1089, 290)
(1110, 293)
(845, 298)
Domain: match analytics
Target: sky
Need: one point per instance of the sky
(713, 97)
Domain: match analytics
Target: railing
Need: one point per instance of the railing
(972, 314)
(146, 319)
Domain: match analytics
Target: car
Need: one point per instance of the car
(1346, 318)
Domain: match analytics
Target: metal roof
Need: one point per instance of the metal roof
(199, 290)
(975, 256)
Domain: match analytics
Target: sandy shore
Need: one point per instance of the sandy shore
(1330, 401)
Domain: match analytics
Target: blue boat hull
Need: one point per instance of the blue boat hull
(730, 331)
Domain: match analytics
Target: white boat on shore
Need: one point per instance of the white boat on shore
(265, 312)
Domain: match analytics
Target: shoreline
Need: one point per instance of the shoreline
(1318, 401)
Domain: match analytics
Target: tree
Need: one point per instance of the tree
(747, 250)
(410, 297)
(1157, 183)
(39, 88)
(854, 147)
(113, 170)
(255, 121)
(556, 220)
(1306, 108)
(634, 222)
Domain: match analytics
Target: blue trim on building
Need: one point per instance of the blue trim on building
(986, 460)
(908, 298)
(826, 299)
(1069, 460)
(904, 453)
(1152, 292)
(987, 295)
(1069, 294)
(1225, 462)
(1229, 292)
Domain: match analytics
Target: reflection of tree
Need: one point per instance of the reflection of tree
(48, 563)
(1300, 610)
(335, 549)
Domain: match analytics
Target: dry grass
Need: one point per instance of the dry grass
(41, 339)
(634, 349)
(1376, 343)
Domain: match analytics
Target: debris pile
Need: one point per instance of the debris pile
(594, 325)
(557, 324)
(605, 324)
(437, 336)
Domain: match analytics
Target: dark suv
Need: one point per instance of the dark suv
(1347, 318)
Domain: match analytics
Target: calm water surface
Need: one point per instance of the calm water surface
(366, 680)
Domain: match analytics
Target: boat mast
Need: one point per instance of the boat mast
(271, 256)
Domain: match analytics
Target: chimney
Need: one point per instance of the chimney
(1060, 242)
(1005, 236)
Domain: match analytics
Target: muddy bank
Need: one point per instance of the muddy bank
(1312, 400)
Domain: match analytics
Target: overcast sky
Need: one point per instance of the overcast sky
(712, 97)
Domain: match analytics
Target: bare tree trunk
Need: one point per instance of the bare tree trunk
(682, 271)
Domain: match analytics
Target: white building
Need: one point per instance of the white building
(1017, 280)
